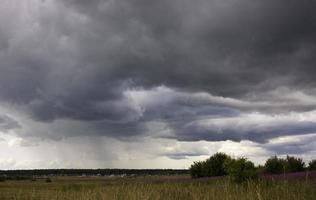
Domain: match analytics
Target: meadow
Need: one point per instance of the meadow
(155, 188)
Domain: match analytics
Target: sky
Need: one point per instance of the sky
(155, 84)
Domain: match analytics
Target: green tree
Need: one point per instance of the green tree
(215, 165)
(275, 165)
(312, 165)
(294, 164)
(240, 170)
(197, 169)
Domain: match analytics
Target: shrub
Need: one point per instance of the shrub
(275, 165)
(213, 166)
(294, 164)
(312, 165)
(240, 170)
(197, 169)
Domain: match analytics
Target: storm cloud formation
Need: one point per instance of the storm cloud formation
(188, 70)
(7, 123)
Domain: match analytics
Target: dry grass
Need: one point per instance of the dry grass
(154, 188)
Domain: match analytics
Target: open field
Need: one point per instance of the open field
(155, 187)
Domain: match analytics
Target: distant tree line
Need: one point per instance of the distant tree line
(241, 169)
(28, 174)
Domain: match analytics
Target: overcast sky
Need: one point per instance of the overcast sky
(155, 84)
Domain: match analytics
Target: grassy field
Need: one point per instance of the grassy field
(159, 187)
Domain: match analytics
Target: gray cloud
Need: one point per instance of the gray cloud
(115, 68)
(292, 145)
(7, 123)
(200, 45)
(254, 127)
(178, 155)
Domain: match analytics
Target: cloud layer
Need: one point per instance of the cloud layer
(188, 71)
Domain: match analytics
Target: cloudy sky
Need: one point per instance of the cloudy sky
(155, 84)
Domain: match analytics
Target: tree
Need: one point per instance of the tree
(312, 165)
(240, 170)
(294, 164)
(215, 165)
(196, 169)
(275, 165)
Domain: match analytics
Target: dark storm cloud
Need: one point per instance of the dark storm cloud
(227, 48)
(7, 123)
(292, 145)
(238, 129)
(75, 60)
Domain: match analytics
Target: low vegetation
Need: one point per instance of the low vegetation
(154, 188)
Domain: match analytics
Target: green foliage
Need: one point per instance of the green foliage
(275, 165)
(240, 170)
(197, 169)
(294, 164)
(312, 165)
(213, 166)
(220, 164)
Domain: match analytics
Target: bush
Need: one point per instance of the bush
(213, 166)
(294, 164)
(312, 165)
(240, 170)
(275, 165)
(197, 169)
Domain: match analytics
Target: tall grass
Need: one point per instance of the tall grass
(156, 189)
